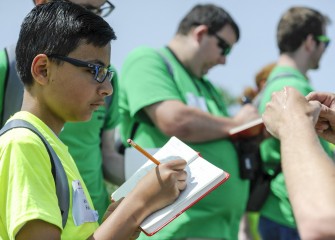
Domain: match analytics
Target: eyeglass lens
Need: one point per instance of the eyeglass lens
(225, 47)
(103, 10)
(102, 73)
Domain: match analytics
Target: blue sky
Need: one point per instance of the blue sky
(154, 22)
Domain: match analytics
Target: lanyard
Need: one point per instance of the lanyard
(209, 88)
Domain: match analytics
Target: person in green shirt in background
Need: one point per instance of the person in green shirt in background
(302, 40)
(91, 143)
(164, 93)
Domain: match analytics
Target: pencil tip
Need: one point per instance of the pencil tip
(129, 140)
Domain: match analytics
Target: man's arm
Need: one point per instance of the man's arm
(309, 172)
(190, 124)
(113, 162)
(310, 178)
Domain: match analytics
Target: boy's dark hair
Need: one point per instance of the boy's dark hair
(58, 27)
(296, 24)
(214, 17)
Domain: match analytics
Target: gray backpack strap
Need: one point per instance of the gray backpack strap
(167, 64)
(13, 93)
(170, 70)
(269, 81)
(121, 148)
(58, 173)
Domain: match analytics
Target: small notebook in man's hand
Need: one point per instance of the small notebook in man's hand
(249, 129)
(203, 177)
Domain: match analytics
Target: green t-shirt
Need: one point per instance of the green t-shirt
(277, 207)
(27, 185)
(84, 142)
(146, 80)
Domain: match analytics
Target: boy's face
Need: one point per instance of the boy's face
(72, 92)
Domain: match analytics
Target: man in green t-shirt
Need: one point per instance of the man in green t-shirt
(301, 39)
(164, 93)
(90, 143)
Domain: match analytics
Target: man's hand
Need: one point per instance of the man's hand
(247, 113)
(287, 110)
(325, 125)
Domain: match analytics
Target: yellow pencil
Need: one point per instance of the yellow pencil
(141, 150)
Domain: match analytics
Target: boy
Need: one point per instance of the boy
(63, 56)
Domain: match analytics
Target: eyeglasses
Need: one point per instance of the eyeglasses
(324, 39)
(103, 10)
(225, 47)
(100, 73)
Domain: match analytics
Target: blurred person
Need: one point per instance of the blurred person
(309, 175)
(251, 94)
(66, 77)
(164, 92)
(90, 143)
(249, 223)
(302, 40)
(262, 75)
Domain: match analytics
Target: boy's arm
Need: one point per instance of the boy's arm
(160, 187)
(165, 181)
(38, 229)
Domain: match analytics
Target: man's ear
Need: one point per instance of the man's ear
(39, 68)
(310, 43)
(199, 32)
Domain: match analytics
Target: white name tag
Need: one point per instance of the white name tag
(196, 101)
(81, 209)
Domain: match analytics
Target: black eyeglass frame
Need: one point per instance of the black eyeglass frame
(99, 10)
(95, 67)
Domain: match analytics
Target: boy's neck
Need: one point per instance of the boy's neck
(32, 105)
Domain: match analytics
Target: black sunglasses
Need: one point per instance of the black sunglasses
(104, 10)
(100, 72)
(324, 39)
(225, 47)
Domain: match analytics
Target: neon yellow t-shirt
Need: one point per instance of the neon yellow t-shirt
(27, 185)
